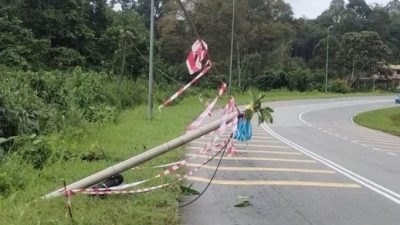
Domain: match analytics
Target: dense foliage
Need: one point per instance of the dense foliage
(37, 34)
(33, 104)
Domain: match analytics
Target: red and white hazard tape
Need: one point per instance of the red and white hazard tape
(196, 56)
(196, 123)
(109, 191)
(229, 108)
(184, 88)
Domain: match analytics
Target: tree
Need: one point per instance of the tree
(360, 7)
(379, 21)
(362, 52)
(142, 7)
(120, 42)
(18, 46)
(262, 27)
(393, 9)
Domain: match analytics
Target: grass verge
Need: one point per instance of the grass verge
(386, 120)
(132, 135)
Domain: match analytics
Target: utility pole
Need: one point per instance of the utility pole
(150, 97)
(327, 60)
(123, 61)
(238, 66)
(230, 65)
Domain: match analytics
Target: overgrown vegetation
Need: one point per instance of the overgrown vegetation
(35, 104)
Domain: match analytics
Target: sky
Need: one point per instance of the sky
(313, 8)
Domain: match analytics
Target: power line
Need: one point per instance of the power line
(157, 68)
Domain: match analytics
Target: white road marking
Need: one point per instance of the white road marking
(368, 137)
(389, 194)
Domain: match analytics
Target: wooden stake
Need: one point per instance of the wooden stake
(68, 204)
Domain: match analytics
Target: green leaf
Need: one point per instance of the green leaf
(35, 142)
(3, 140)
(243, 204)
(188, 190)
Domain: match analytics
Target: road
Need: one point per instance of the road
(314, 165)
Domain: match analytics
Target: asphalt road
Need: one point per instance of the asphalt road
(312, 166)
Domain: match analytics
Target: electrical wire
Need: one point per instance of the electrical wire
(155, 67)
(197, 34)
(223, 150)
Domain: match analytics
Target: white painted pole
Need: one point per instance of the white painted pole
(327, 60)
(151, 58)
(231, 59)
(141, 158)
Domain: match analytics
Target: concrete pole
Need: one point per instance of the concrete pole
(150, 96)
(238, 66)
(327, 60)
(232, 34)
(141, 158)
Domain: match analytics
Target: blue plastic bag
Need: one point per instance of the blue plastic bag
(244, 131)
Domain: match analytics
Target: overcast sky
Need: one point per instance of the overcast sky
(313, 8)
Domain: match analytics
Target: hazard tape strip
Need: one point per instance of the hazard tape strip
(184, 88)
(195, 124)
(109, 191)
(229, 108)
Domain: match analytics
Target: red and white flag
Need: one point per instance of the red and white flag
(194, 61)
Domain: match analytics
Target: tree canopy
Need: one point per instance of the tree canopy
(62, 34)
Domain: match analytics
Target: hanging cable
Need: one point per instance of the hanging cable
(196, 32)
(223, 150)
(158, 69)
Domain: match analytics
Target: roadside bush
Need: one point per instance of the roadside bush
(25, 112)
(14, 175)
(297, 80)
(272, 79)
(338, 86)
(316, 80)
(45, 102)
(64, 58)
(33, 150)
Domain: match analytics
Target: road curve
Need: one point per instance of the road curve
(312, 166)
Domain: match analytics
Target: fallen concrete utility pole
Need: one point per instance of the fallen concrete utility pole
(141, 158)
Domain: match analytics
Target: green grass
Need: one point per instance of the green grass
(386, 120)
(131, 135)
(278, 95)
(128, 137)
